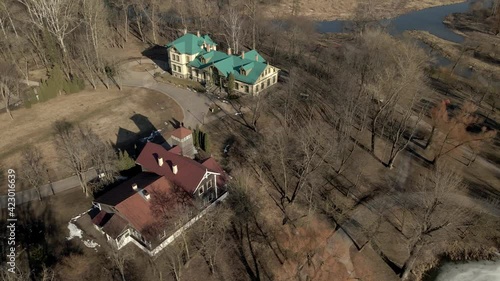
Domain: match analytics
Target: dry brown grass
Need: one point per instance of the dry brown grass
(105, 111)
(345, 9)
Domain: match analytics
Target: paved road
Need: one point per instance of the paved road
(194, 105)
(47, 190)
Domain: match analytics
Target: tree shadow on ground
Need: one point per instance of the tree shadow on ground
(132, 142)
(39, 239)
(478, 188)
(159, 55)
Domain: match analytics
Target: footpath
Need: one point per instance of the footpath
(47, 190)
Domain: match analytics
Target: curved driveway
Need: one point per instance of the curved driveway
(194, 105)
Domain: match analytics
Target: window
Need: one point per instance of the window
(236, 86)
(274, 79)
(210, 184)
(268, 82)
(200, 191)
(246, 89)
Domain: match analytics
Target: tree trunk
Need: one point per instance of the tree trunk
(429, 140)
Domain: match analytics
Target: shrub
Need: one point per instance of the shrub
(124, 161)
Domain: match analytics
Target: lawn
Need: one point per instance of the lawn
(183, 83)
(106, 111)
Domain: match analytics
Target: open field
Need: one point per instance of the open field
(107, 112)
(322, 10)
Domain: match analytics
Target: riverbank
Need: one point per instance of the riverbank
(455, 52)
(327, 10)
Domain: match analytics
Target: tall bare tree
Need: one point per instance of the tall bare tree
(9, 85)
(58, 17)
(232, 23)
(34, 169)
(436, 208)
(71, 144)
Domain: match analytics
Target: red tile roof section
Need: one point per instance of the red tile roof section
(213, 166)
(181, 133)
(176, 149)
(137, 210)
(189, 172)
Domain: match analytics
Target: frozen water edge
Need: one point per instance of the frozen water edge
(468, 271)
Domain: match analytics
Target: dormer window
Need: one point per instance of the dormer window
(203, 60)
(243, 72)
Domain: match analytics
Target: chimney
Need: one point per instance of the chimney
(198, 33)
(229, 51)
(175, 169)
(134, 187)
(160, 161)
(256, 57)
(185, 30)
(242, 54)
(146, 194)
(208, 47)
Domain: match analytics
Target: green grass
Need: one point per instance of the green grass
(166, 77)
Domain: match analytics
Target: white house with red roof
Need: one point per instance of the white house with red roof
(128, 212)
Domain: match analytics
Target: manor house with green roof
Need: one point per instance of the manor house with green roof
(196, 57)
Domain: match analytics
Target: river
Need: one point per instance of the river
(431, 20)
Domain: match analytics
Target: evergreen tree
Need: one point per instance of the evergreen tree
(230, 84)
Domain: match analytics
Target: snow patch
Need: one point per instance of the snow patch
(91, 244)
(74, 231)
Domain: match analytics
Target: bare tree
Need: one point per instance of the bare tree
(436, 208)
(34, 168)
(119, 260)
(71, 144)
(58, 17)
(102, 157)
(233, 31)
(402, 129)
(9, 85)
(454, 131)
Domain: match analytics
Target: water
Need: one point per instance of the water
(430, 20)
(469, 271)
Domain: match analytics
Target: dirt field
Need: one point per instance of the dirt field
(105, 111)
(345, 9)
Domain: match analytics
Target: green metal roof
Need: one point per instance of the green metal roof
(227, 64)
(190, 44)
(251, 56)
(210, 57)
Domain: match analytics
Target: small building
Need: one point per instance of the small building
(169, 181)
(196, 57)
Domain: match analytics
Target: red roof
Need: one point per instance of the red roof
(131, 204)
(213, 166)
(137, 209)
(181, 133)
(189, 172)
(176, 149)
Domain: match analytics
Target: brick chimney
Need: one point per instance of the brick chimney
(185, 31)
(146, 194)
(175, 169)
(160, 161)
(256, 57)
(229, 52)
(198, 33)
(242, 54)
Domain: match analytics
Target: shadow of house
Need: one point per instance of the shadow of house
(134, 142)
(158, 54)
